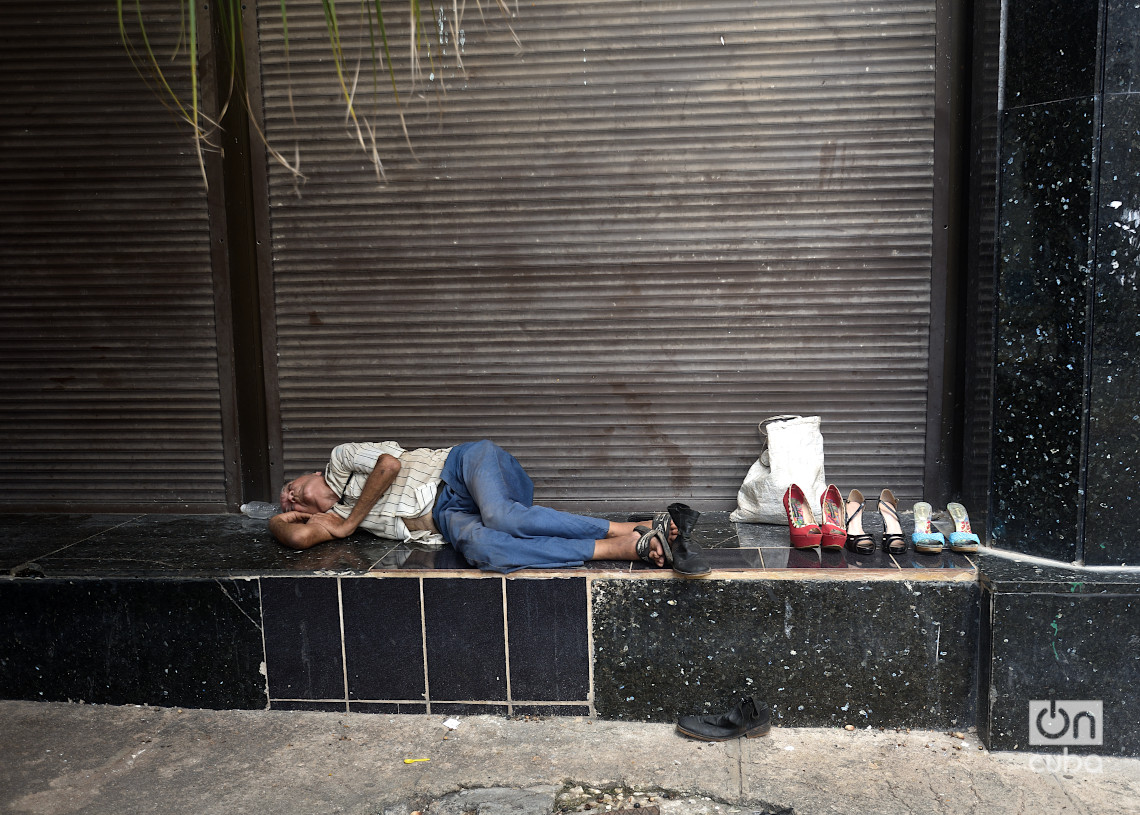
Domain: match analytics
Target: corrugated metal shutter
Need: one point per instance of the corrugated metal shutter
(109, 363)
(616, 251)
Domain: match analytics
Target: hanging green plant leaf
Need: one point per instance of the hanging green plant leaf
(132, 20)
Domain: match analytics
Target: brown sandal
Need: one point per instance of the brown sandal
(660, 531)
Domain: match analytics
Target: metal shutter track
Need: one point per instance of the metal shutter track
(620, 249)
(110, 360)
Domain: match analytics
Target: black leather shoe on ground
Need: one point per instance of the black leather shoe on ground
(749, 718)
(688, 558)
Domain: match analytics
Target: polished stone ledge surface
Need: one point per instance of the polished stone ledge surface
(212, 546)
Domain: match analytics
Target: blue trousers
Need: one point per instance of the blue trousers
(485, 510)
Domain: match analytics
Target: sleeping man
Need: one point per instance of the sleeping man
(475, 496)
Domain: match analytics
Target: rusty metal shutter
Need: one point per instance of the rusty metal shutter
(110, 366)
(615, 251)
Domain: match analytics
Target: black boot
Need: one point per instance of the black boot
(688, 559)
(749, 718)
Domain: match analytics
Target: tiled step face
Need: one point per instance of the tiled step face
(208, 611)
(188, 643)
(879, 652)
(488, 644)
(822, 652)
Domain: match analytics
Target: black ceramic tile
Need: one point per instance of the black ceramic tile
(946, 560)
(391, 708)
(203, 546)
(548, 639)
(878, 559)
(303, 638)
(1122, 47)
(26, 538)
(436, 559)
(1050, 50)
(1114, 398)
(1042, 284)
(836, 559)
(1054, 646)
(306, 705)
(789, 558)
(613, 566)
(714, 530)
(466, 649)
(824, 652)
(465, 709)
(195, 643)
(546, 711)
(383, 637)
(734, 559)
(762, 535)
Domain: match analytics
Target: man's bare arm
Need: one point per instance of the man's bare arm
(294, 530)
(379, 480)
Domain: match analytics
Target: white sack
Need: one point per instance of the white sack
(791, 452)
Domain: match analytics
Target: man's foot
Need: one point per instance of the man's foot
(621, 541)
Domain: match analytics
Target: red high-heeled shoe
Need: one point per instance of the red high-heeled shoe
(834, 519)
(802, 528)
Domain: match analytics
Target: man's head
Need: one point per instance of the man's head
(307, 493)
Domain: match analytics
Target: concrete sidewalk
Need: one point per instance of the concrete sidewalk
(60, 758)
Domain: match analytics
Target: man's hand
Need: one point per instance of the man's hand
(297, 531)
(337, 526)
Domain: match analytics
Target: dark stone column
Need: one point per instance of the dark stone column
(1059, 410)
(1046, 174)
(1114, 372)
(1056, 132)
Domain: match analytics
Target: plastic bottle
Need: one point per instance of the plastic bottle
(260, 510)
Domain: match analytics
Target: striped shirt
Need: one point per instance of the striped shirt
(411, 495)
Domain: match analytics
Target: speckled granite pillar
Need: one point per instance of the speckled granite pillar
(1065, 423)
(1114, 396)
(1065, 441)
(1044, 246)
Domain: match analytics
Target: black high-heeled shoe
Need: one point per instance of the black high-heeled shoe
(858, 541)
(688, 558)
(893, 541)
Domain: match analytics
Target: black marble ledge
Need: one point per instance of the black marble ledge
(822, 653)
(221, 546)
(170, 546)
(27, 538)
(1009, 574)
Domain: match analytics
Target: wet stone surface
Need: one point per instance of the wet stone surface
(93, 545)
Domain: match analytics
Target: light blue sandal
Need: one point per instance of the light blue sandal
(926, 539)
(962, 539)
